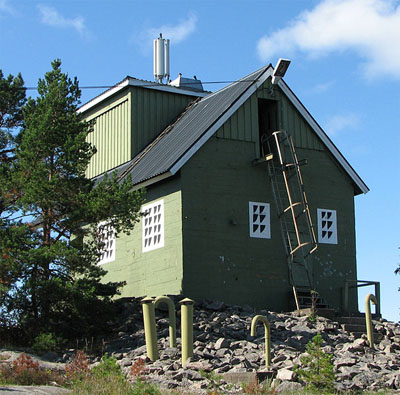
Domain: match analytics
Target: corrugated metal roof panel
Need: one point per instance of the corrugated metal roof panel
(176, 140)
(175, 145)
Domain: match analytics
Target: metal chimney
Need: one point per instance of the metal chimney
(161, 59)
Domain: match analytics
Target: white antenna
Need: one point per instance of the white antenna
(161, 59)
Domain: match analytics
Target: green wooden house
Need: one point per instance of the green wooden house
(248, 200)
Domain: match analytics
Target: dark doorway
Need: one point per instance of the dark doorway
(267, 122)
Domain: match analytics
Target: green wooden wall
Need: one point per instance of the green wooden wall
(152, 112)
(111, 134)
(208, 252)
(127, 122)
(221, 261)
(154, 272)
(243, 124)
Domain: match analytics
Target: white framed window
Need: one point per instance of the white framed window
(259, 220)
(327, 226)
(107, 237)
(153, 226)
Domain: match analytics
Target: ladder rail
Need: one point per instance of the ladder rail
(302, 244)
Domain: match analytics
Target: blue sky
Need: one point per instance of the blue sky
(345, 69)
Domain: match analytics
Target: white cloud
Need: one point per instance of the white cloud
(175, 33)
(371, 28)
(51, 17)
(340, 122)
(322, 87)
(6, 7)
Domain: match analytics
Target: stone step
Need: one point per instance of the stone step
(377, 336)
(351, 320)
(248, 377)
(354, 327)
(322, 312)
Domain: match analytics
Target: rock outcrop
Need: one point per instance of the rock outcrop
(222, 344)
(223, 347)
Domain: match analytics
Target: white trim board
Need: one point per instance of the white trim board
(210, 132)
(298, 105)
(129, 81)
(322, 135)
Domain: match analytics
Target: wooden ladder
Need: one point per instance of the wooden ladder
(293, 209)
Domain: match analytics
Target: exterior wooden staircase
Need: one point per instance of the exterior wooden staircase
(356, 326)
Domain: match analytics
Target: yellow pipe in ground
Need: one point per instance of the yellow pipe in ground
(186, 328)
(368, 319)
(265, 321)
(171, 315)
(149, 319)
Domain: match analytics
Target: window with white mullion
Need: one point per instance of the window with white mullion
(153, 226)
(327, 226)
(107, 239)
(259, 220)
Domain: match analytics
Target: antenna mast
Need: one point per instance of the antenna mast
(161, 59)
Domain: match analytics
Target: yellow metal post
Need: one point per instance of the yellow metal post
(265, 321)
(171, 315)
(149, 319)
(368, 319)
(186, 328)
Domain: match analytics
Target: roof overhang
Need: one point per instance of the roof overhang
(129, 81)
(225, 116)
(359, 183)
(324, 137)
(360, 186)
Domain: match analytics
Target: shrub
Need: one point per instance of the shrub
(215, 383)
(25, 371)
(105, 378)
(138, 368)
(316, 369)
(141, 387)
(45, 342)
(78, 368)
(259, 388)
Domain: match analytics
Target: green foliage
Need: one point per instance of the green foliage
(259, 388)
(25, 371)
(215, 384)
(12, 99)
(107, 378)
(316, 369)
(141, 387)
(46, 342)
(49, 228)
(78, 369)
(107, 367)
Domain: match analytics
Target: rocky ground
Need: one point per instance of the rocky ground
(223, 345)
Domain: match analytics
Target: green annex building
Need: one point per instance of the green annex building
(248, 200)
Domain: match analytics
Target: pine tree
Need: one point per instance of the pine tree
(12, 99)
(59, 284)
(316, 369)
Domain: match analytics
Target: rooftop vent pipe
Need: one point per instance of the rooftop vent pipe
(161, 59)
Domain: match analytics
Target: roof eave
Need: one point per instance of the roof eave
(129, 81)
(220, 121)
(358, 182)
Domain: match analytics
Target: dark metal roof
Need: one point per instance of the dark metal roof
(160, 155)
(178, 142)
